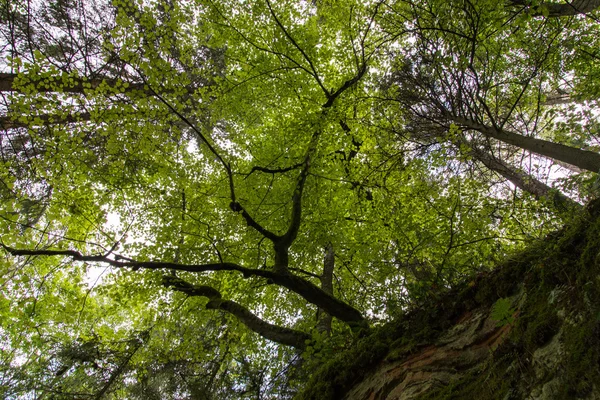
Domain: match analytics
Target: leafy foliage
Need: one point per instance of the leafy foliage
(174, 171)
(503, 312)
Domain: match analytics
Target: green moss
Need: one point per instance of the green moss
(334, 378)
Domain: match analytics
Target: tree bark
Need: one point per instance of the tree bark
(323, 318)
(522, 180)
(583, 159)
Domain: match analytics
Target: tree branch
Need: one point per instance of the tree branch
(274, 170)
(234, 205)
(286, 336)
(300, 286)
(295, 44)
(283, 243)
(348, 84)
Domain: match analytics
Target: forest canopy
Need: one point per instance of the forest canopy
(205, 199)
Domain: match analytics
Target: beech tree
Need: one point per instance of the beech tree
(207, 199)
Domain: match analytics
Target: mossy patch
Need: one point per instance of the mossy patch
(561, 285)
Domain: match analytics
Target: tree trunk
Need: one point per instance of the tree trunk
(522, 180)
(563, 9)
(324, 319)
(583, 159)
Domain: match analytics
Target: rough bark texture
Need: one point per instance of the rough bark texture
(530, 329)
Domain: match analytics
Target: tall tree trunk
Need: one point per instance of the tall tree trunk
(324, 319)
(520, 179)
(563, 9)
(583, 159)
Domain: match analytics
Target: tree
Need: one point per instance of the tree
(187, 184)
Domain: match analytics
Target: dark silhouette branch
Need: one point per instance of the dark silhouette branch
(295, 44)
(234, 205)
(347, 85)
(274, 170)
(310, 292)
(286, 336)
(282, 244)
(251, 222)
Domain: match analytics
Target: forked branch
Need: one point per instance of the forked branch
(310, 292)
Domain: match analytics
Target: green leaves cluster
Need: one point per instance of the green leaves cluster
(129, 137)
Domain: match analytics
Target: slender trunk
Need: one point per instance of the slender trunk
(323, 318)
(583, 159)
(562, 9)
(522, 180)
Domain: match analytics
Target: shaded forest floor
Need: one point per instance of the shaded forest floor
(528, 329)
